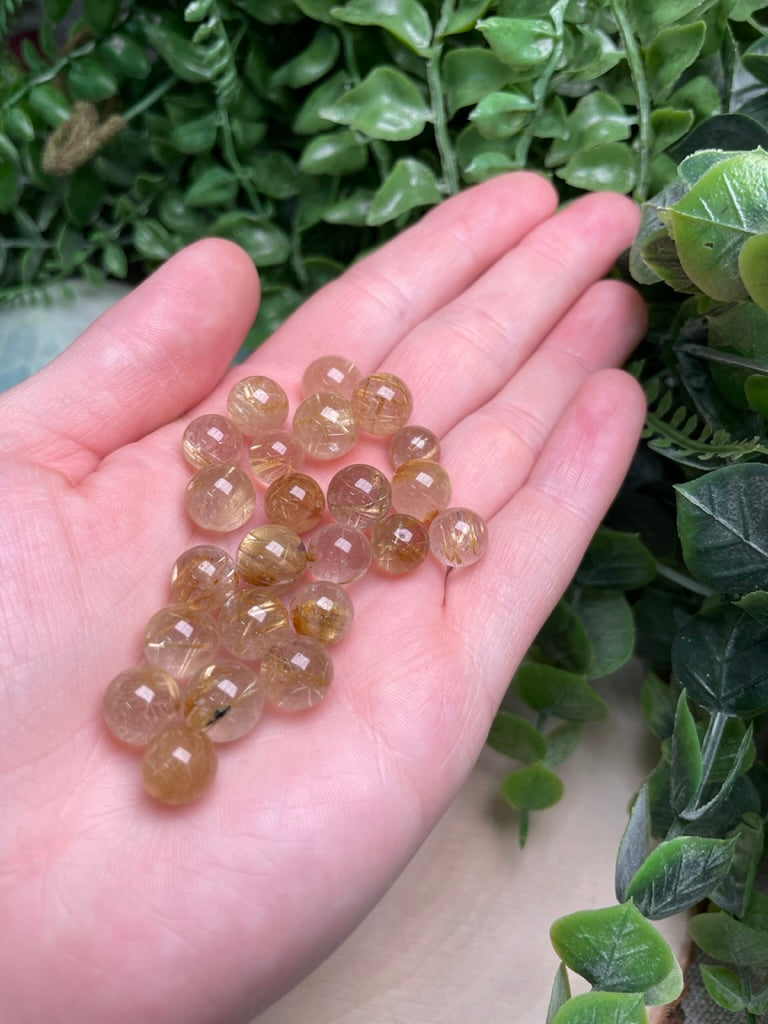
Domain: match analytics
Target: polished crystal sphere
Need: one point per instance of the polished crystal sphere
(295, 500)
(179, 765)
(274, 454)
(325, 426)
(180, 640)
(382, 403)
(203, 577)
(322, 610)
(412, 442)
(211, 440)
(458, 536)
(257, 403)
(332, 374)
(359, 495)
(297, 672)
(141, 702)
(421, 488)
(339, 553)
(399, 543)
(251, 621)
(225, 700)
(220, 498)
(271, 556)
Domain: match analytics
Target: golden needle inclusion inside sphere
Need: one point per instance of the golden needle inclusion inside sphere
(458, 536)
(179, 765)
(203, 577)
(210, 440)
(359, 495)
(412, 442)
(399, 543)
(322, 610)
(271, 556)
(257, 403)
(339, 553)
(382, 403)
(251, 621)
(325, 425)
(297, 672)
(225, 701)
(421, 488)
(274, 454)
(141, 702)
(180, 640)
(295, 500)
(332, 374)
(220, 498)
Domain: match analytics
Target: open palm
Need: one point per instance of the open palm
(116, 908)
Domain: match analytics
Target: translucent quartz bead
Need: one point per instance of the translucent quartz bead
(179, 765)
(257, 403)
(382, 403)
(339, 553)
(210, 440)
(274, 454)
(332, 374)
(296, 501)
(412, 442)
(323, 611)
(421, 488)
(359, 495)
(225, 701)
(203, 577)
(325, 425)
(297, 672)
(271, 556)
(220, 498)
(399, 543)
(458, 536)
(180, 640)
(141, 702)
(251, 621)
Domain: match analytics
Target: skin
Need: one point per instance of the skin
(117, 908)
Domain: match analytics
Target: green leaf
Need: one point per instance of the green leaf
(597, 119)
(685, 763)
(523, 44)
(195, 134)
(756, 392)
(265, 242)
(532, 788)
(409, 184)
(514, 736)
(722, 521)
(648, 19)
(733, 942)
(658, 704)
(672, 51)
(734, 890)
(101, 14)
(724, 987)
(739, 331)
(607, 167)
(469, 74)
(563, 640)
(501, 115)
(385, 105)
(125, 56)
(308, 120)
(668, 125)
(466, 17)
(617, 561)
(607, 619)
(407, 20)
(721, 657)
(756, 603)
(560, 994)
(727, 205)
(339, 152)
(678, 874)
(84, 195)
(19, 125)
(50, 103)
(274, 174)
(214, 186)
(152, 241)
(614, 948)
(312, 63)
(562, 741)
(197, 10)
(552, 691)
(179, 53)
(602, 1008)
(114, 261)
(10, 185)
(634, 845)
(753, 267)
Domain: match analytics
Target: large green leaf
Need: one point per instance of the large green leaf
(607, 619)
(672, 51)
(731, 941)
(470, 74)
(721, 657)
(739, 331)
(722, 521)
(407, 20)
(563, 640)
(517, 738)
(678, 873)
(616, 560)
(552, 691)
(387, 104)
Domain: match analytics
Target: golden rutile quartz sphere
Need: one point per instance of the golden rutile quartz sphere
(295, 500)
(220, 498)
(141, 702)
(323, 611)
(421, 488)
(325, 425)
(339, 553)
(399, 543)
(412, 442)
(382, 403)
(359, 495)
(257, 403)
(458, 536)
(297, 672)
(180, 640)
(251, 621)
(333, 374)
(211, 440)
(179, 765)
(203, 577)
(225, 701)
(274, 454)
(271, 556)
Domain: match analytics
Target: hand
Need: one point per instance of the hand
(116, 908)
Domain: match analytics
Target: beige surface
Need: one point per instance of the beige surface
(462, 936)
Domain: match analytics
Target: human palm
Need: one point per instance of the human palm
(116, 908)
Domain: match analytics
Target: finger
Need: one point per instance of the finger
(142, 363)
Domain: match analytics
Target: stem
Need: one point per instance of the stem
(228, 145)
(713, 355)
(541, 84)
(635, 62)
(445, 150)
(687, 582)
(151, 98)
(48, 74)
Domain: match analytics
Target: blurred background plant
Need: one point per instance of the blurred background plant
(309, 131)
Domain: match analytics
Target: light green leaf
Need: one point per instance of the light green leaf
(408, 185)
(265, 242)
(722, 937)
(552, 691)
(339, 152)
(724, 987)
(214, 186)
(753, 267)
(602, 1008)
(385, 105)
(469, 74)
(466, 17)
(407, 20)
(739, 331)
(533, 787)
(597, 118)
(679, 873)
(501, 115)
(523, 44)
(562, 741)
(608, 167)
(685, 762)
(672, 51)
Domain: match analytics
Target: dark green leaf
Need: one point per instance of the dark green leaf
(723, 525)
(523, 44)
(469, 74)
(408, 185)
(756, 603)
(407, 20)
(501, 115)
(214, 186)
(678, 874)
(672, 51)
(739, 331)
(724, 987)
(197, 10)
(514, 736)
(723, 938)
(180, 54)
(84, 195)
(125, 56)
(312, 63)
(734, 890)
(264, 241)
(562, 741)
(114, 261)
(634, 845)
(532, 788)
(552, 691)
(385, 105)
(561, 993)
(669, 125)
(19, 125)
(658, 703)
(195, 135)
(607, 619)
(617, 561)
(466, 17)
(50, 103)
(153, 241)
(101, 14)
(563, 640)
(339, 152)
(309, 120)
(10, 185)
(685, 762)
(274, 174)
